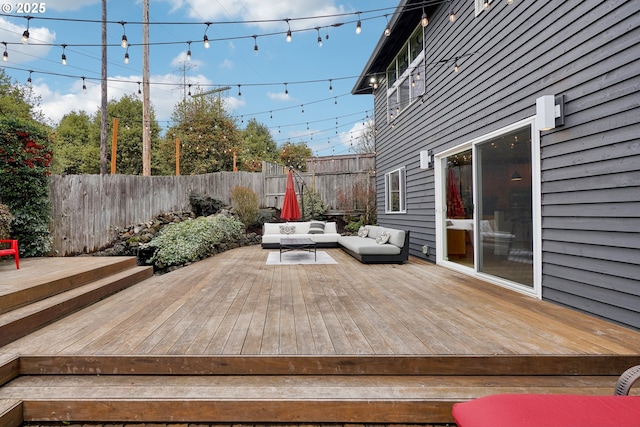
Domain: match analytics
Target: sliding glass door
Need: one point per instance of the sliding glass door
(488, 193)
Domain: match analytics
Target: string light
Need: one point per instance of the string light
(126, 56)
(84, 85)
(124, 43)
(486, 4)
(255, 43)
(29, 81)
(139, 90)
(5, 55)
(188, 51)
(387, 30)
(330, 85)
(205, 39)
(288, 30)
(239, 93)
(359, 25)
(319, 38)
(64, 56)
(455, 67)
(25, 34)
(452, 16)
(423, 20)
(189, 93)
(286, 89)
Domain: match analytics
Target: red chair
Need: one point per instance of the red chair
(13, 250)
(554, 410)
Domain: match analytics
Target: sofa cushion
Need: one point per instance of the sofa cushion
(382, 237)
(367, 246)
(363, 231)
(287, 229)
(316, 227)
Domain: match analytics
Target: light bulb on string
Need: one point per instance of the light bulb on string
(5, 55)
(29, 81)
(139, 91)
(255, 44)
(452, 16)
(126, 56)
(84, 85)
(319, 37)
(424, 21)
(25, 34)
(387, 30)
(286, 89)
(359, 25)
(205, 38)
(239, 92)
(64, 56)
(124, 43)
(188, 51)
(288, 30)
(330, 86)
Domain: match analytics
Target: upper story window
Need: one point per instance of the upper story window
(482, 5)
(405, 75)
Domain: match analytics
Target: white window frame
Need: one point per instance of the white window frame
(401, 190)
(440, 210)
(480, 6)
(416, 67)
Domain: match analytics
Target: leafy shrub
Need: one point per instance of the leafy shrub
(25, 157)
(314, 207)
(246, 205)
(5, 222)
(191, 240)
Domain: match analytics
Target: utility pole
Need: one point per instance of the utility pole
(103, 87)
(146, 98)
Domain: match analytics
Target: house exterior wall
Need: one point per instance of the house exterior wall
(588, 51)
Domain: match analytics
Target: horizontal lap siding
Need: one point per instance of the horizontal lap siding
(588, 51)
(591, 174)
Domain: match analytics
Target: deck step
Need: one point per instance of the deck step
(286, 389)
(57, 281)
(272, 398)
(28, 318)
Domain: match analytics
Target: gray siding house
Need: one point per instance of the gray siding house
(508, 143)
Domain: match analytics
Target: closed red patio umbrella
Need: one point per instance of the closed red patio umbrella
(290, 209)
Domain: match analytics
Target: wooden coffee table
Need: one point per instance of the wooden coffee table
(288, 244)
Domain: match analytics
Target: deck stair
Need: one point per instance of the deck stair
(25, 309)
(281, 389)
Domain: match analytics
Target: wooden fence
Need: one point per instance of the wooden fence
(87, 210)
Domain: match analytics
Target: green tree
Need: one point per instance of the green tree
(18, 101)
(25, 157)
(128, 110)
(208, 136)
(75, 152)
(258, 145)
(295, 155)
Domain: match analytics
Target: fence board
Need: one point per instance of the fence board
(87, 210)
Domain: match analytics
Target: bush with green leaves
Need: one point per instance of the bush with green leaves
(246, 205)
(25, 157)
(314, 207)
(194, 239)
(5, 222)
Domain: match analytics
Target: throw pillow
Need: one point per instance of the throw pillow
(316, 227)
(287, 229)
(382, 237)
(363, 231)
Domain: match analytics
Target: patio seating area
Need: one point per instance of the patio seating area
(343, 343)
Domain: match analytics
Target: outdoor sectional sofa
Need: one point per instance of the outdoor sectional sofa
(377, 245)
(367, 247)
(325, 234)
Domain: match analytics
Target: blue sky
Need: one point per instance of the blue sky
(331, 121)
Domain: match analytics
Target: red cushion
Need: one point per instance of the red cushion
(548, 410)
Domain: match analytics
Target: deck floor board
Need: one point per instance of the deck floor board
(235, 304)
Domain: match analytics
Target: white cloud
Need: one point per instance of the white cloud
(166, 91)
(232, 103)
(194, 64)
(261, 10)
(20, 53)
(279, 96)
(227, 64)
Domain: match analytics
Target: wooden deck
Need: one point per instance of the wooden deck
(234, 304)
(344, 342)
